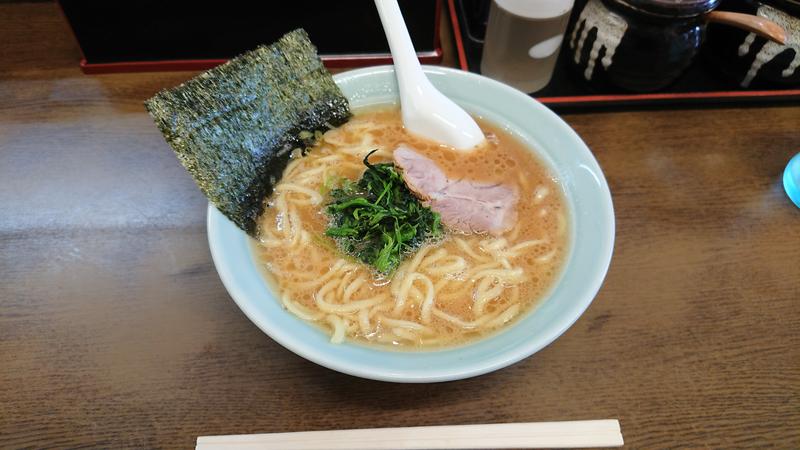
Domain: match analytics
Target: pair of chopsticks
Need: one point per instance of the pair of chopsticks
(584, 433)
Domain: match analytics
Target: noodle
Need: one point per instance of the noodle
(504, 317)
(363, 321)
(402, 295)
(339, 328)
(397, 323)
(299, 311)
(457, 264)
(349, 307)
(458, 288)
(488, 289)
(405, 334)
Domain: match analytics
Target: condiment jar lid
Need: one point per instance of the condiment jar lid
(671, 8)
(536, 9)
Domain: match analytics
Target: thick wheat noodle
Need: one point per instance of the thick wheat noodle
(292, 167)
(434, 341)
(412, 266)
(470, 275)
(312, 177)
(363, 321)
(382, 307)
(397, 280)
(360, 151)
(328, 158)
(281, 205)
(357, 167)
(270, 243)
(275, 271)
(402, 295)
(513, 251)
(405, 334)
(427, 303)
(387, 337)
(547, 256)
(504, 275)
(339, 328)
(345, 282)
(457, 265)
(399, 277)
(460, 322)
(415, 293)
(493, 245)
(400, 292)
(314, 197)
(351, 307)
(398, 323)
(338, 137)
(487, 290)
(433, 257)
(297, 230)
(299, 310)
(352, 288)
(337, 266)
(464, 292)
(268, 240)
(468, 250)
(504, 316)
(335, 137)
(327, 287)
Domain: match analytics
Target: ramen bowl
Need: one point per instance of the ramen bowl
(591, 239)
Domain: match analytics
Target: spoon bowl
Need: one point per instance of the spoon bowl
(425, 111)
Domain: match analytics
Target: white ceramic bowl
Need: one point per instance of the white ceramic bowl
(591, 243)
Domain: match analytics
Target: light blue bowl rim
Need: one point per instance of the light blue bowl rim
(591, 229)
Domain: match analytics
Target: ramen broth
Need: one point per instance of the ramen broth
(451, 291)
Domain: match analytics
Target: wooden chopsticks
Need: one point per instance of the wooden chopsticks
(585, 433)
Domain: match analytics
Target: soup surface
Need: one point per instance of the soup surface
(451, 291)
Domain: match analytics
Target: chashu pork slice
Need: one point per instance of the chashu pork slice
(464, 205)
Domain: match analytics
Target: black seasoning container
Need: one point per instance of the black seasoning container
(637, 45)
(752, 61)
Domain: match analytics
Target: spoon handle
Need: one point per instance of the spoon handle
(407, 67)
(754, 24)
(425, 110)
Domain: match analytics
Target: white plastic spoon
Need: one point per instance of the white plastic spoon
(425, 110)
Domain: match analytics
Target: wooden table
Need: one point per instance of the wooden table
(115, 330)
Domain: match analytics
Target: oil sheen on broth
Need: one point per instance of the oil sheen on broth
(449, 292)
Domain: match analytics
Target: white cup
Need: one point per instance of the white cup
(522, 41)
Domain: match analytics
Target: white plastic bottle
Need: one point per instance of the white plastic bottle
(523, 38)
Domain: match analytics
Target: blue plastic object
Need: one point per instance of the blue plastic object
(791, 179)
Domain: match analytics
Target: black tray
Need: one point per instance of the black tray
(699, 85)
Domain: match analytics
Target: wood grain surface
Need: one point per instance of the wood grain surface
(116, 332)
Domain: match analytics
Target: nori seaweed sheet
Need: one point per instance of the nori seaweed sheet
(234, 126)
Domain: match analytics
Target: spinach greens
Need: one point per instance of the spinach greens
(378, 220)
